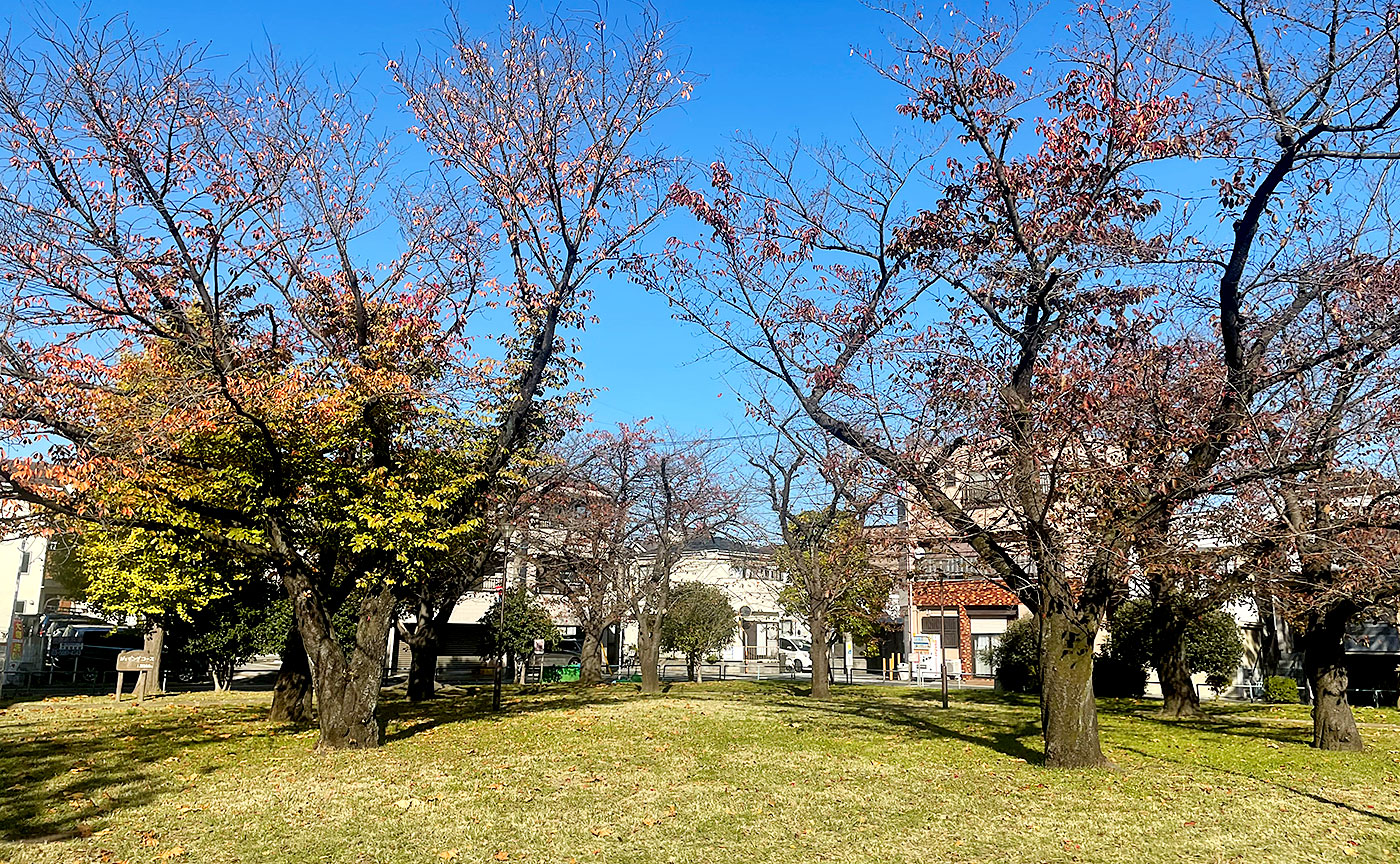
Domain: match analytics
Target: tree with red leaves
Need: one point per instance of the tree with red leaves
(198, 341)
(1002, 325)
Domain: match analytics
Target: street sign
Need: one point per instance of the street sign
(136, 661)
(67, 646)
(539, 647)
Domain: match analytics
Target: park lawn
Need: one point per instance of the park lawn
(705, 773)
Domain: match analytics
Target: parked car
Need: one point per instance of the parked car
(795, 654)
(83, 648)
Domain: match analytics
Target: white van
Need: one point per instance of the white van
(794, 654)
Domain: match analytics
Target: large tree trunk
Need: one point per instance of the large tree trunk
(291, 695)
(148, 683)
(1334, 726)
(821, 656)
(422, 669)
(1068, 716)
(1270, 637)
(424, 648)
(649, 656)
(590, 663)
(347, 688)
(1179, 696)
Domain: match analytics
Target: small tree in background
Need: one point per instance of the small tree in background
(1017, 657)
(698, 620)
(252, 619)
(513, 633)
(1212, 642)
(825, 555)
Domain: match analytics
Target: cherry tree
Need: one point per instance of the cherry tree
(620, 512)
(822, 494)
(992, 327)
(686, 499)
(199, 340)
(542, 133)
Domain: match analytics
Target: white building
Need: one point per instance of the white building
(749, 576)
(23, 591)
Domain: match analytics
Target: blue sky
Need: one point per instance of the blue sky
(771, 69)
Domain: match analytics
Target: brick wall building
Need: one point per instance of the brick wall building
(975, 613)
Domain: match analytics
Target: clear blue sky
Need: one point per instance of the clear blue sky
(771, 69)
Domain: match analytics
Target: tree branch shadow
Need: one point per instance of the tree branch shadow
(1303, 793)
(63, 778)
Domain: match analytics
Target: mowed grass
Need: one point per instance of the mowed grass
(708, 773)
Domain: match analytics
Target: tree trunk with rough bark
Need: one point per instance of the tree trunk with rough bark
(1069, 718)
(291, 694)
(422, 669)
(1179, 696)
(821, 656)
(148, 683)
(649, 656)
(424, 648)
(346, 687)
(590, 671)
(1334, 725)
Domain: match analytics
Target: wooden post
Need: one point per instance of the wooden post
(121, 676)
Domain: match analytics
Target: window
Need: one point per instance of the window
(982, 644)
(24, 562)
(950, 631)
(980, 490)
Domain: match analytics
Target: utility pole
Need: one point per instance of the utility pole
(943, 633)
(501, 626)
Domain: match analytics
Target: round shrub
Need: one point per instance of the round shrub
(1017, 657)
(1280, 689)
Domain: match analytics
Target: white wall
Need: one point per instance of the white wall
(31, 581)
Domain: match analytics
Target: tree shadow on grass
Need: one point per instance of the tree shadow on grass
(66, 775)
(1003, 736)
(474, 704)
(913, 710)
(1303, 793)
(1232, 726)
(920, 712)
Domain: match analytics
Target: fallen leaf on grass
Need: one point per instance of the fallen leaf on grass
(172, 852)
(503, 855)
(448, 854)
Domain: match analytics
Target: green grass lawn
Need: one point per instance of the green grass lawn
(712, 773)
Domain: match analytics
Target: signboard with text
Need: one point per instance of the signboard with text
(136, 661)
